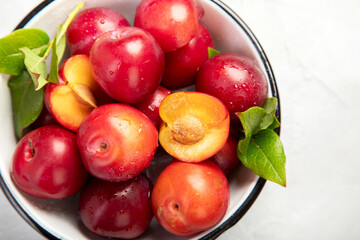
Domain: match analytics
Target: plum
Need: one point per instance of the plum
(128, 64)
(89, 24)
(234, 79)
(119, 210)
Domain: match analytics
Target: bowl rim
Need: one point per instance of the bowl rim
(241, 211)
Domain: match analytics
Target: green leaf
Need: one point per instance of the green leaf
(265, 156)
(256, 119)
(260, 149)
(26, 102)
(11, 60)
(212, 52)
(40, 51)
(270, 108)
(57, 53)
(14, 64)
(251, 120)
(275, 124)
(58, 45)
(36, 67)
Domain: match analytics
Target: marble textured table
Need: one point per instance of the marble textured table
(314, 49)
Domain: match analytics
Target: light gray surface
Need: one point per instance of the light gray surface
(313, 47)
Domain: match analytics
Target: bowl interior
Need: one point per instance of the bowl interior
(59, 219)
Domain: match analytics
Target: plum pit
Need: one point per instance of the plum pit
(188, 130)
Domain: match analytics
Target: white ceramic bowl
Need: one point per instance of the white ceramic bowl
(59, 219)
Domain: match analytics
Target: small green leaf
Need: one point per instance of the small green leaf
(260, 149)
(275, 124)
(71, 16)
(54, 67)
(58, 45)
(40, 51)
(26, 102)
(11, 60)
(14, 64)
(270, 108)
(36, 67)
(265, 156)
(251, 120)
(57, 53)
(212, 52)
(256, 119)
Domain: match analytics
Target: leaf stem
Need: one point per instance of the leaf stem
(68, 21)
(48, 50)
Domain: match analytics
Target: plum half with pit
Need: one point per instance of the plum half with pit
(195, 125)
(234, 79)
(70, 100)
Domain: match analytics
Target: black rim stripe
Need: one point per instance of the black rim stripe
(241, 211)
(31, 14)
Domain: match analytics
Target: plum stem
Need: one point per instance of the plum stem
(31, 147)
(103, 146)
(176, 206)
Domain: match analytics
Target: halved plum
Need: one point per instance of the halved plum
(195, 125)
(73, 97)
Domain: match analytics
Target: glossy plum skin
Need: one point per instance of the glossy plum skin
(150, 107)
(128, 64)
(88, 25)
(227, 158)
(236, 80)
(117, 142)
(190, 197)
(119, 210)
(47, 164)
(183, 64)
(173, 23)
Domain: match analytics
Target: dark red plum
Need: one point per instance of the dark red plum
(183, 64)
(45, 118)
(227, 158)
(128, 64)
(47, 164)
(150, 107)
(172, 23)
(234, 79)
(118, 210)
(89, 24)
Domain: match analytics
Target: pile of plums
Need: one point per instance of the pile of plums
(119, 95)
